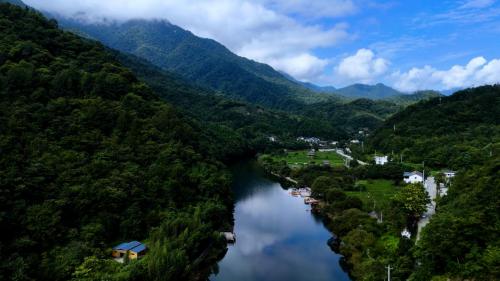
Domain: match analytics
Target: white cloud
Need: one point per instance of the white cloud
(477, 72)
(362, 67)
(305, 65)
(255, 30)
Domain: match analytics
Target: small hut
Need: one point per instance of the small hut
(134, 250)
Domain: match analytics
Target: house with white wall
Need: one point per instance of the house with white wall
(413, 177)
(381, 160)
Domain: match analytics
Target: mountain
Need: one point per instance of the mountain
(455, 132)
(14, 2)
(251, 123)
(201, 61)
(92, 157)
(355, 115)
(409, 99)
(374, 92)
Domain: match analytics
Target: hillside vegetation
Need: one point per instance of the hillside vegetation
(457, 131)
(201, 61)
(461, 241)
(90, 158)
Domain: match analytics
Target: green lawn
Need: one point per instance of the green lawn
(300, 158)
(378, 193)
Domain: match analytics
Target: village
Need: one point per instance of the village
(328, 153)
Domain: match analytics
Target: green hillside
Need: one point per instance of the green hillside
(91, 158)
(251, 123)
(456, 131)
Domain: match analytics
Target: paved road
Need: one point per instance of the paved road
(341, 153)
(431, 188)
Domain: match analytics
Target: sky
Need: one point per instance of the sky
(409, 45)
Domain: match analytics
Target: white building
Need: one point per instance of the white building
(449, 174)
(413, 177)
(405, 233)
(355, 141)
(381, 160)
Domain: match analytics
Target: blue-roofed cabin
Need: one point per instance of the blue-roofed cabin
(135, 250)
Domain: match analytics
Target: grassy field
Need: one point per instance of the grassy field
(300, 158)
(378, 193)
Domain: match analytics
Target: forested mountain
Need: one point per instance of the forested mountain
(92, 157)
(354, 115)
(202, 61)
(247, 124)
(374, 92)
(409, 99)
(458, 131)
(331, 120)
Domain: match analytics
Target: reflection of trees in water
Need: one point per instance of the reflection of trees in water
(248, 179)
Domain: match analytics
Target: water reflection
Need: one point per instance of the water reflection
(277, 237)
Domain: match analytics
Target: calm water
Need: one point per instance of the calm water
(277, 238)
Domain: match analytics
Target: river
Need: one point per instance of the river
(277, 237)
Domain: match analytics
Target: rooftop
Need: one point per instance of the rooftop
(135, 246)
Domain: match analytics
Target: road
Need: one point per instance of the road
(431, 188)
(341, 153)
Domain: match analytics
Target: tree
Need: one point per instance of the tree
(413, 200)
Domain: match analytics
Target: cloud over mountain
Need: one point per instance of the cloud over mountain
(364, 66)
(259, 30)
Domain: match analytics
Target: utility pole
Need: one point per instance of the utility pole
(389, 272)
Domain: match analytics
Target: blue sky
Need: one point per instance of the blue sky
(410, 45)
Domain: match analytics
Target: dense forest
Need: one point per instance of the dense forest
(455, 132)
(250, 124)
(91, 157)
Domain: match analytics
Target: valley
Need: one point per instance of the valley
(133, 149)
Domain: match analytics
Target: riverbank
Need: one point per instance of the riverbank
(367, 239)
